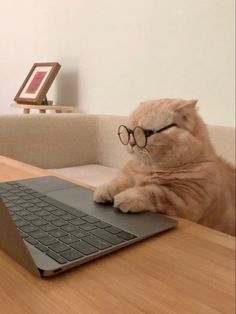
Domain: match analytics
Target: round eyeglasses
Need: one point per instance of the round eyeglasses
(140, 135)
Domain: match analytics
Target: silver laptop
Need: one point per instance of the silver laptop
(49, 225)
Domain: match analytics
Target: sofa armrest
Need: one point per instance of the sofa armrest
(49, 141)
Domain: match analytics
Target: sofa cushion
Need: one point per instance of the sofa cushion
(49, 141)
(93, 175)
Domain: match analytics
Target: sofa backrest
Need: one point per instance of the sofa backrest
(223, 140)
(110, 152)
(66, 140)
(49, 141)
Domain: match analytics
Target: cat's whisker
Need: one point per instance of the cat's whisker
(144, 156)
(147, 150)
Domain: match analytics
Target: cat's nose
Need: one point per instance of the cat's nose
(132, 141)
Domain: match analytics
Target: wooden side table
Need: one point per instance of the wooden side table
(42, 108)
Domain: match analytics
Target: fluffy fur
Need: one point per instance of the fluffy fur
(178, 173)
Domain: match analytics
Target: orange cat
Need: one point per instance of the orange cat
(175, 170)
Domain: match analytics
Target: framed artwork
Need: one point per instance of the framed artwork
(37, 83)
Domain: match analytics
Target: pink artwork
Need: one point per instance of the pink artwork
(35, 83)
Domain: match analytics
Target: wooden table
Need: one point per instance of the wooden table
(42, 108)
(187, 270)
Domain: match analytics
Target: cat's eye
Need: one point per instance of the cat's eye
(140, 135)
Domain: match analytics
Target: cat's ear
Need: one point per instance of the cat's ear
(185, 114)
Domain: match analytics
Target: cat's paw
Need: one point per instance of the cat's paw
(103, 194)
(130, 200)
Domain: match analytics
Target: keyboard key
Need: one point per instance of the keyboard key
(31, 217)
(58, 212)
(79, 213)
(41, 204)
(80, 233)
(111, 238)
(88, 227)
(98, 243)
(56, 257)
(69, 228)
(59, 247)
(20, 223)
(29, 228)
(42, 213)
(40, 222)
(48, 227)
(69, 239)
(14, 208)
(27, 205)
(14, 217)
(113, 230)
(127, 236)
(90, 219)
(12, 184)
(6, 186)
(50, 217)
(13, 197)
(21, 203)
(28, 190)
(9, 204)
(84, 248)
(37, 194)
(5, 192)
(27, 197)
(21, 193)
(102, 224)
(34, 209)
(41, 247)
(31, 240)
(57, 233)
(36, 201)
(48, 240)
(23, 235)
(50, 208)
(67, 217)
(38, 234)
(78, 222)
(22, 212)
(59, 222)
(71, 255)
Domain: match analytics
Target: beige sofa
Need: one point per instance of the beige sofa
(82, 146)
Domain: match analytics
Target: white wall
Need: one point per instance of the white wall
(115, 53)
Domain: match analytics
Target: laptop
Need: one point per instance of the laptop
(50, 225)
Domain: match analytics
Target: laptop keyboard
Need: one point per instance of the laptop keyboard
(60, 231)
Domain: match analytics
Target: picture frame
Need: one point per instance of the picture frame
(37, 83)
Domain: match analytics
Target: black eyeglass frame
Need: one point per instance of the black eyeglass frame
(147, 133)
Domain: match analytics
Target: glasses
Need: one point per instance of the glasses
(140, 135)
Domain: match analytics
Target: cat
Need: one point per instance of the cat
(177, 172)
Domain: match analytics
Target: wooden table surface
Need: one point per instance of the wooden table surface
(187, 270)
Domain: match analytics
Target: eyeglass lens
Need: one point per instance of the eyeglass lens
(140, 137)
(123, 134)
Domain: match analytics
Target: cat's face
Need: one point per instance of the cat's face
(173, 146)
